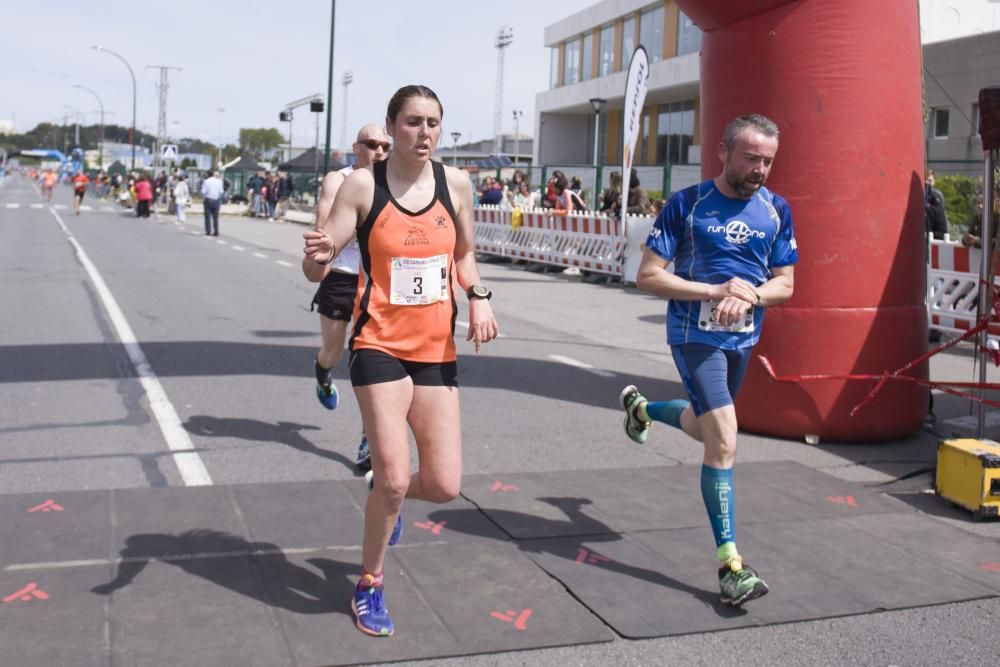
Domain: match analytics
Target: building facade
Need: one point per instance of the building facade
(954, 72)
(590, 53)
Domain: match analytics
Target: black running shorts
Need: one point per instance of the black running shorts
(375, 367)
(335, 296)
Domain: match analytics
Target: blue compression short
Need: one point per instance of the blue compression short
(711, 375)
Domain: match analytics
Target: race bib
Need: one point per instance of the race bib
(707, 321)
(417, 282)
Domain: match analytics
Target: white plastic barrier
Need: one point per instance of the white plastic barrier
(953, 287)
(636, 232)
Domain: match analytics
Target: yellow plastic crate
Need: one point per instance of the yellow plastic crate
(968, 474)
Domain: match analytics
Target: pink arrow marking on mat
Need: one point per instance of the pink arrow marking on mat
(500, 486)
(26, 593)
(520, 620)
(990, 567)
(843, 500)
(435, 528)
(47, 506)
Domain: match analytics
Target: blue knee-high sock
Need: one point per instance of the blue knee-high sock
(667, 412)
(717, 491)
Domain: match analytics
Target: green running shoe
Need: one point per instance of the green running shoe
(635, 428)
(740, 583)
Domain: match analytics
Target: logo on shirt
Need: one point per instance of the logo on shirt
(794, 245)
(737, 232)
(415, 236)
(440, 222)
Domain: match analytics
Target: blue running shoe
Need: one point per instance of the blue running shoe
(370, 613)
(397, 530)
(326, 392)
(364, 460)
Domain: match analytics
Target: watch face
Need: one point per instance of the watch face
(481, 291)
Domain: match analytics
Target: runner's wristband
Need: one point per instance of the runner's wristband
(334, 254)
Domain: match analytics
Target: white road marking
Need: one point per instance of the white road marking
(13, 205)
(38, 206)
(60, 207)
(260, 255)
(84, 207)
(190, 465)
(107, 208)
(579, 364)
(239, 247)
(283, 262)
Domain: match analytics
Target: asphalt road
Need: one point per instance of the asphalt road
(225, 328)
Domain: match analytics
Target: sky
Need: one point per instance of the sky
(251, 58)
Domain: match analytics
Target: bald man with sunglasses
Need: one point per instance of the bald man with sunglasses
(336, 294)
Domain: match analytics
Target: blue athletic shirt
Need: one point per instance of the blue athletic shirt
(711, 238)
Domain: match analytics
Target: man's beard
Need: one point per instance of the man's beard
(745, 187)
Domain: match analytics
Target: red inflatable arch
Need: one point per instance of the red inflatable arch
(842, 80)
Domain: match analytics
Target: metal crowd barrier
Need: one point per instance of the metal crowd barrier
(585, 239)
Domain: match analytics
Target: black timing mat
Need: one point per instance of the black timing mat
(262, 574)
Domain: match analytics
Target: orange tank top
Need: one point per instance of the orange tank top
(406, 304)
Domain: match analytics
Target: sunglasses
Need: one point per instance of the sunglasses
(374, 145)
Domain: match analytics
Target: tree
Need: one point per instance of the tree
(259, 142)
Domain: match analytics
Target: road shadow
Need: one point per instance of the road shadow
(208, 554)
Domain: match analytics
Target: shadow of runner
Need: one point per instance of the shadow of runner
(278, 582)
(587, 530)
(285, 433)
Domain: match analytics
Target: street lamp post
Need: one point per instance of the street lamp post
(517, 136)
(455, 136)
(100, 146)
(132, 132)
(346, 81)
(598, 104)
(221, 110)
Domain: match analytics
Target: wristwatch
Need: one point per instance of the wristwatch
(479, 291)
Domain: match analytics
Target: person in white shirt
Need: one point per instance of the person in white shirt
(338, 290)
(211, 191)
(181, 197)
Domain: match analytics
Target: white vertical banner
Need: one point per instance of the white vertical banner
(635, 97)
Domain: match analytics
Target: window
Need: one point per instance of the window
(628, 41)
(588, 56)
(607, 53)
(554, 68)
(571, 67)
(688, 35)
(674, 132)
(975, 119)
(651, 33)
(939, 124)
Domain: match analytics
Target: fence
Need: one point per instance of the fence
(586, 240)
(953, 287)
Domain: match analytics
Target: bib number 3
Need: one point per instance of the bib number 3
(417, 282)
(708, 320)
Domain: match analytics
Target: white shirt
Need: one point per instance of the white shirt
(212, 188)
(181, 193)
(349, 259)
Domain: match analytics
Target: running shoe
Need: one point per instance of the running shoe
(364, 460)
(397, 530)
(326, 393)
(635, 428)
(370, 613)
(739, 583)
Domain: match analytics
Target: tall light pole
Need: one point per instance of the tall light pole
(504, 39)
(455, 136)
(131, 135)
(329, 92)
(221, 110)
(346, 81)
(79, 115)
(517, 135)
(100, 146)
(598, 104)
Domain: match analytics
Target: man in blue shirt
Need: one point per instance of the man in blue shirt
(732, 244)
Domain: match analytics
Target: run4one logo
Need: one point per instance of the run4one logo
(736, 231)
(415, 236)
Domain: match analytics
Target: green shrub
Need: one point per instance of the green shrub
(959, 200)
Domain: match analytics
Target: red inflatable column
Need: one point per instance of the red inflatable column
(842, 80)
